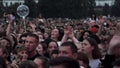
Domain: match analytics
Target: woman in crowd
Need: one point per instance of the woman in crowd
(50, 47)
(90, 47)
(41, 48)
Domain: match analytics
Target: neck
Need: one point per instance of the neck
(90, 56)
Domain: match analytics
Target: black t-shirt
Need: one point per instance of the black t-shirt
(37, 55)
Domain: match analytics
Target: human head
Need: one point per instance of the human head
(5, 42)
(68, 49)
(27, 64)
(21, 50)
(22, 38)
(42, 62)
(52, 45)
(83, 59)
(63, 62)
(56, 34)
(41, 48)
(86, 34)
(4, 53)
(40, 35)
(115, 49)
(90, 46)
(32, 41)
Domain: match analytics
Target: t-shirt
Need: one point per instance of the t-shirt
(95, 63)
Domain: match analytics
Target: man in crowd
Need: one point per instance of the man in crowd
(68, 49)
(32, 41)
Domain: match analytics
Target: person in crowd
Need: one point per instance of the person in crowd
(52, 45)
(32, 41)
(20, 54)
(83, 60)
(42, 62)
(42, 48)
(22, 38)
(27, 64)
(46, 35)
(113, 49)
(56, 34)
(5, 42)
(10, 31)
(68, 49)
(40, 33)
(63, 62)
(90, 47)
(85, 34)
(5, 55)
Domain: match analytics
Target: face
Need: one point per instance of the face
(38, 62)
(86, 34)
(65, 51)
(29, 29)
(24, 54)
(31, 43)
(52, 46)
(86, 47)
(40, 49)
(46, 35)
(55, 33)
(4, 42)
(41, 37)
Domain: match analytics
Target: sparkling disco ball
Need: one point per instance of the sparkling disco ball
(22, 10)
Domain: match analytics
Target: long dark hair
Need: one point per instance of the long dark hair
(95, 53)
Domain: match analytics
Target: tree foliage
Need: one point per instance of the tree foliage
(66, 8)
(116, 8)
(106, 9)
(32, 7)
(58, 8)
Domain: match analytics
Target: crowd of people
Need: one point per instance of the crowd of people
(59, 42)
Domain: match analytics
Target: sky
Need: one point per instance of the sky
(102, 2)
